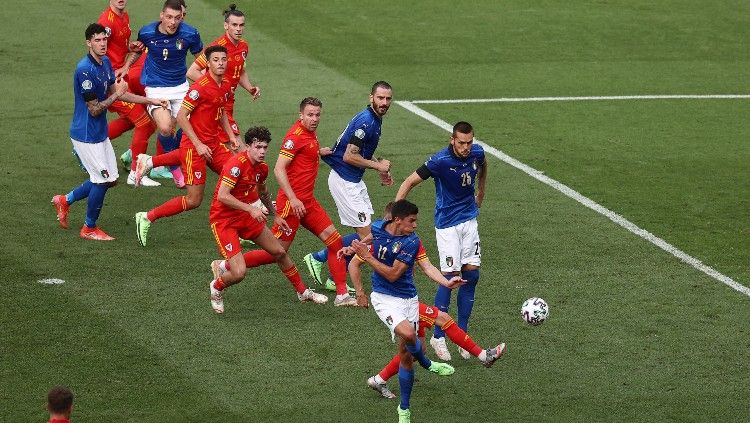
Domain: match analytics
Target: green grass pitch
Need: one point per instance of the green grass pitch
(634, 334)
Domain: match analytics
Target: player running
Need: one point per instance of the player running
(242, 181)
(202, 119)
(116, 21)
(295, 171)
(350, 156)
(456, 170)
(94, 90)
(394, 251)
(237, 51)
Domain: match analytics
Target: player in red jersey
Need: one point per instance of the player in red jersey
(201, 117)
(116, 21)
(233, 215)
(295, 171)
(237, 51)
(430, 316)
(59, 404)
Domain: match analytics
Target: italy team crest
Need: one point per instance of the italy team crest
(396, 247)
(179, 44)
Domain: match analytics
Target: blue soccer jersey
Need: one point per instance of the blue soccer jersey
(454, 185)
(388, 248)
(165, 64)
(91, 81)
(364, 129)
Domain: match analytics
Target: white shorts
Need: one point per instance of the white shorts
(394, 310)
(98, 159)
(175, 95)
(352, 201)
(459, 245)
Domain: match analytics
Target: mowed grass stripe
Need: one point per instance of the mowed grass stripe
(587, 202)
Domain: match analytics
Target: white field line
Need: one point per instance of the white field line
(590, 98)
(569, 192)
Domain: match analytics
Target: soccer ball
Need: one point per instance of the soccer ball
(535, 311)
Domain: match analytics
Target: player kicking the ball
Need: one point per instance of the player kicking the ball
(233, 215)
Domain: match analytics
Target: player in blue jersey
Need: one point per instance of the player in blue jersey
(168, 42)
(94, 90)
(394, 251)
(456, 170)
(349, 158)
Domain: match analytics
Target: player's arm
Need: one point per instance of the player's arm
(434, 273)
(391, 273)
(412, 180)
(279, 170)
(355, 273)
(482, 178)
(97, 107)
(135, 98)
(245, 83)
(233, 139)
(198, 68)
(224, 195)
(353, 156)
(187, 129)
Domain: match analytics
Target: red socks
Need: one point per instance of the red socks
(294, 278)
(170, 208)
(336, 267)
(390, 369)
(167, 159)
(461, 338)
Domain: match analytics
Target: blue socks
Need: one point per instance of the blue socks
(79, 193)
(442, 301)
(416, 351)
(465, 298)
(95, 202)
(405, 384)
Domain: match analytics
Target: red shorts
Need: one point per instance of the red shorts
(316, 219)
(227, 233)
(229, 110)
(194, 166)
(134, 112)
(427, 316)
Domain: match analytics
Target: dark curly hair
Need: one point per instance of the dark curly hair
(257, 133)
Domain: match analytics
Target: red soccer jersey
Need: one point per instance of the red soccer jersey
(241, 176)
(236, 55)
(118, 36)
(302, 148)
(205, 102)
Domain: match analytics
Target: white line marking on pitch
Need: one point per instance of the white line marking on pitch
(575, 195)
(590, 98)
(52, 281)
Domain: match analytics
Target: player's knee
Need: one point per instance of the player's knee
(443, 319)
(279, 253)
(192, 202)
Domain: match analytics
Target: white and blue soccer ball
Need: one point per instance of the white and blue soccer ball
(535, 311)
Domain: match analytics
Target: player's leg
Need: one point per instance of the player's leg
(464, 341)
(470, 261)
(449, 250)
(228, 241)
(144, 128)
(101, 163)
(196, 169)
(352, 203)
(405, 374)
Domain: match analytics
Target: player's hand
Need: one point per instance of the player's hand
(121, 87)
(281, 223)
(455, 282)
(203, 151)
(298, 208)
(343, 252)
(159, 102)
(386, 179)
(136, 46)
(234, 144)
(325, 151)
(362, 300)
(119, 73)
(383, 165)
(257, 214)
(255, 92)
(362, 249)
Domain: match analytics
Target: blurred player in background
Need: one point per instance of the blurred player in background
(202, 119)
(237, 51)
(394, 251)
(117, 23)
(350, 156)
(456, 169)
(233, 215)
(60, 404)
(94, 90)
